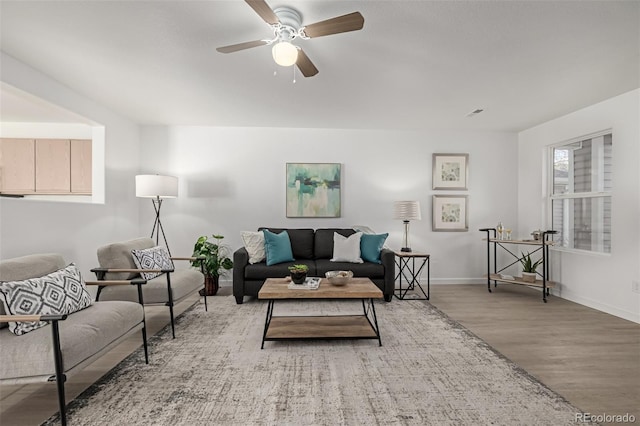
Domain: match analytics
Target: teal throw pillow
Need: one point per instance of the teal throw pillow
(277, 247)
(370, 246)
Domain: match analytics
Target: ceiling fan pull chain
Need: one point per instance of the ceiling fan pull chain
(294, 74)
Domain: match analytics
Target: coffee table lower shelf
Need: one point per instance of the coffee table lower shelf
(320, 327)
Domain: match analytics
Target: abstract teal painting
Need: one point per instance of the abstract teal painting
(313, 189)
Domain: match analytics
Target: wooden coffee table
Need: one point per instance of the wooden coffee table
(363, 326)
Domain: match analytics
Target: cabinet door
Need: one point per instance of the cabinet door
(81, 166)
(17, 166)
(53, 166)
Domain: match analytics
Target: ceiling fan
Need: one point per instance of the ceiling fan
(286, 25)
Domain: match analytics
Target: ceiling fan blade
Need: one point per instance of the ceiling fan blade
(262, 8)
(341, 24)
(305, 65)
(241, 46)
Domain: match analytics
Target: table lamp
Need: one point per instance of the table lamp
(406, 211)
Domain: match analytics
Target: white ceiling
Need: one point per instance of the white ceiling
(416, 64)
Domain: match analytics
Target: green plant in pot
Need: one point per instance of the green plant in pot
(298, 273)
(529, 267)
(216, 261)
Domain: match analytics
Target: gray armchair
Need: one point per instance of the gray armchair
(167, 289)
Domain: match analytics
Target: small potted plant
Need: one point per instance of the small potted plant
(529, 268)
(216, 261)
(298, 273)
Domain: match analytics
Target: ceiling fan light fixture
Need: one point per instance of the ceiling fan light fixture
(284, 53)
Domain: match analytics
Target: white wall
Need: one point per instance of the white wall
(600, 281)
(233, 179)
(73, 229)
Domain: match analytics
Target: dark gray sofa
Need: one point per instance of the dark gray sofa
(314, 249)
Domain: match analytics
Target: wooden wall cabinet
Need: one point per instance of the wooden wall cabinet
(45, 166)
(17, 166)
(53, 166)
(81, 166)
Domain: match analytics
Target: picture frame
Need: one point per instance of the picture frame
(313, 190)
(450, 213)
(450, 171)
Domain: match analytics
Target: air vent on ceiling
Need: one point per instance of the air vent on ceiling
(475, 112)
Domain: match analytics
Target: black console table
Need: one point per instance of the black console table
(406, 263)
(542, 245)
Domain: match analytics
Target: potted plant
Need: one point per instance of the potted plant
(215, 261)
(298, 273)
(529, 268)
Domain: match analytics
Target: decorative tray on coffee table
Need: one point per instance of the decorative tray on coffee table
(310, 283)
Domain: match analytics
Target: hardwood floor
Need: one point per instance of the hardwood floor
(589, 357)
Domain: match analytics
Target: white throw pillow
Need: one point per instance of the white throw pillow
(254, 243)
(346, 249)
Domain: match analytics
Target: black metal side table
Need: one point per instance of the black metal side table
(410, 270)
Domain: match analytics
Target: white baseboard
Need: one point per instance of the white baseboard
(621, 313)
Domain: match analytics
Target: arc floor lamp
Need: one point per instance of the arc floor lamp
(157, 187)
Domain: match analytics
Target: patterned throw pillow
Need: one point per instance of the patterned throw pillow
(152, 258)
(254, 243)
(60, 292)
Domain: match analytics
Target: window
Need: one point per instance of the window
(580, 199)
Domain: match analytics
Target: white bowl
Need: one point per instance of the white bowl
(339, 277)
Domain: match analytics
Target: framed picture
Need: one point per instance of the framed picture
(450, 213)
(450, 171)
(313, 189)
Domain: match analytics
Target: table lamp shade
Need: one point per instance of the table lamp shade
(153, 186)
(407, 210)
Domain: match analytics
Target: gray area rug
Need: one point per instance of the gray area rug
(429, 371)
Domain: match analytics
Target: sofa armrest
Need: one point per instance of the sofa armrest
(134, 281)
(240, 261)
(21, 318)
(388, 259)
(195, 261)
(101, 272)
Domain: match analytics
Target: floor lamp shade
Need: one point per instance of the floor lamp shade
(406, 211)
(156, 186)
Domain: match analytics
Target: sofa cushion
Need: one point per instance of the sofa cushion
(277, 247)
(118, 256)
(82, 335)
(25, 267)
(371, 245)
(60, 292)
(323, 247)
(346, 249)
(254, 243)
(152, 258)
(301, 241)
(367, 269)
(183, 283)
(260, 271)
